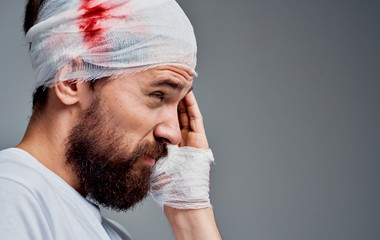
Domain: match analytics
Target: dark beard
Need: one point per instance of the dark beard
(104, 166)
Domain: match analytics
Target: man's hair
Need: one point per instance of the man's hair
(31, 13)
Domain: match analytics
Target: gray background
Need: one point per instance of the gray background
(290, 95)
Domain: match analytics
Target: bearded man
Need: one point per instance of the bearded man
(114, 117)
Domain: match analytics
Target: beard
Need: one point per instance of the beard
(104, 166)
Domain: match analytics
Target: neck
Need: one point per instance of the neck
(45, 139)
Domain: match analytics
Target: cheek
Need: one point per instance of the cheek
(134, 117)
(130, 112)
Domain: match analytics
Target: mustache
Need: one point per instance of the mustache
(155, 150)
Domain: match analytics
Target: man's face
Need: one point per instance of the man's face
(117, 140)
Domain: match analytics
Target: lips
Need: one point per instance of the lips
(149, 161)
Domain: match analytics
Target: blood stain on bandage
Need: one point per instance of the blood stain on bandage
(93, 18)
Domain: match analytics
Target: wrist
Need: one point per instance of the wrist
(192, 223)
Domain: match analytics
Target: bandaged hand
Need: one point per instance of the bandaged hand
(181, 180)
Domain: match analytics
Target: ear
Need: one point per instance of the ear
(71, 92)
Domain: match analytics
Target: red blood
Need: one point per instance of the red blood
(91, 21)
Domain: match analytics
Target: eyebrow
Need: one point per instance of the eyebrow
(172, 84)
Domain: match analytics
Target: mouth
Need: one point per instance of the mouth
(150, 161)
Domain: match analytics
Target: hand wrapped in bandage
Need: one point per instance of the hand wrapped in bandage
(181, 180)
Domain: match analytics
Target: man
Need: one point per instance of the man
(113, 97)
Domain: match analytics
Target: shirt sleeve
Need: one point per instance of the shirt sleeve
(21, 214)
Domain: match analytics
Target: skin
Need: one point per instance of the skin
(154, 105)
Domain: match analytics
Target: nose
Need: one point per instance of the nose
(168, 130)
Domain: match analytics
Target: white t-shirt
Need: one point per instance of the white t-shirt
(37, 204)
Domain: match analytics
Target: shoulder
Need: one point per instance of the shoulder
(19, 167)
(37, 204)
(20, 179)
(22, 216)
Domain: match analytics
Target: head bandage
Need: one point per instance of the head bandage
(110, 37)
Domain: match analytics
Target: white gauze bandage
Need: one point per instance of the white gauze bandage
(181, 180)
(110, 37)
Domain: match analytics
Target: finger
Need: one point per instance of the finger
(182, 116)
(194, 114)
(192, 106)
(184, 123)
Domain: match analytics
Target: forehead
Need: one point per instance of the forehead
(175, 76)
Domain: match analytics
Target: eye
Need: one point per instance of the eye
(158, 95)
